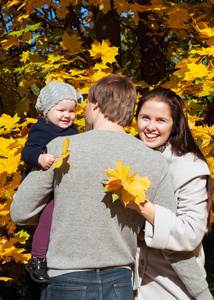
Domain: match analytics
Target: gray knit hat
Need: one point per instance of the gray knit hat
(54, 92)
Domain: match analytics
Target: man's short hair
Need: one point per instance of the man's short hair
(116, 96)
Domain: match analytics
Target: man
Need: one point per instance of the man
(93, 241)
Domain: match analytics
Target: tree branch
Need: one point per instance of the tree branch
(79, 26)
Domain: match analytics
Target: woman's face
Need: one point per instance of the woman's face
(154, 123)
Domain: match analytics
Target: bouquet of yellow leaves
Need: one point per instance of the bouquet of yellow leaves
(124, 187)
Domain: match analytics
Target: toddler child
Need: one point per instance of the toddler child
(57, 103)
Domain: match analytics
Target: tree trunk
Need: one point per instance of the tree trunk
(108, 27)
(152, 49)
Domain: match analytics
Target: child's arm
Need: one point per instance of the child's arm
(46, 160)
(38, 138)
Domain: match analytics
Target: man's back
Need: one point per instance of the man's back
(88, 230)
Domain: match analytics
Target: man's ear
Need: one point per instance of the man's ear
(96, 105)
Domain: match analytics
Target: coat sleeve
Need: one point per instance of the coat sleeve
(185, 265)
(185, 230)
(36, 143)
(170, 227)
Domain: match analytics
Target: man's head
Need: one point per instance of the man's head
(116, 97)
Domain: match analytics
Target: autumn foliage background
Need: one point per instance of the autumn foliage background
(167, 43)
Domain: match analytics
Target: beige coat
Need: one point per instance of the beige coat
(181, 232)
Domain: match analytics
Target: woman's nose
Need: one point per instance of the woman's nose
(151, 125)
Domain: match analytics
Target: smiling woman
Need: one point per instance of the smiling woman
(162, 126)
(154, 123)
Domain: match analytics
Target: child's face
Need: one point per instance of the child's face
(63, 113)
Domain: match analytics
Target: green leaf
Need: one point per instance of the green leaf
(29, 28)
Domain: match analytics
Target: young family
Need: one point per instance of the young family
(97, 249)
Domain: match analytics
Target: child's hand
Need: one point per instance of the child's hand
(46, 160)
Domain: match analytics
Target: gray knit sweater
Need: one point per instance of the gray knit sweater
(88, 230)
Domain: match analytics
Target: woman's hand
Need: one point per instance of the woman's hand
(146, 209)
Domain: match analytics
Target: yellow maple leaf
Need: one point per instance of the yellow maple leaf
(25, 84)
(6, 44)
(12, 163)
(204, 51)
(136, 191)
(22, 236)
(117, 177)
(204, 31)
(65, 153)
(4, 209)
(36, 58)
(99, 74)
(53, 57)
(178, 18)
(61, 8)
(210, 161)
(204, 133)
(126, 187)
(31, 5)
(100, 66)
(8, 121)
(23, 106)
(3, 179)
(6, 279)
(104, 51)
(70, 42)
(24, 56)
(121, 6)
(206, 150)
(12, 185)
(105, 6)
(27, 37)
(5, 145)
(195, 71)
(12, 2)
(24, 16)
(13, 253)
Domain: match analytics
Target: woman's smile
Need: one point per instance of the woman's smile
(154, 123)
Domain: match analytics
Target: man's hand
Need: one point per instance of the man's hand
(46, 160)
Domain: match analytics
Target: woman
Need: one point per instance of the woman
(163, 126)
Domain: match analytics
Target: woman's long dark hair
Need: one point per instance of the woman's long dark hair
(181, 138)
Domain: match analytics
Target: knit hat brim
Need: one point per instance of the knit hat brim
(54, 92)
